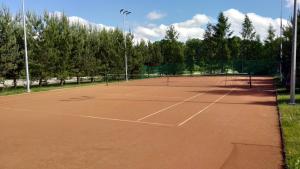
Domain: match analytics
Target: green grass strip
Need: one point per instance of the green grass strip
(291, 128)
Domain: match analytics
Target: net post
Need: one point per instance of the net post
(106, 79)
(226, 76)
(168, 79)
(250, 80)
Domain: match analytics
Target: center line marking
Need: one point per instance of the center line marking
(211, 104)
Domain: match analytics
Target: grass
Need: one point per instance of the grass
(290, 116)
(20, 90)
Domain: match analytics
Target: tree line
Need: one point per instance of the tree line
(60, 49)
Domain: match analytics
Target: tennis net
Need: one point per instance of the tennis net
(226, 80)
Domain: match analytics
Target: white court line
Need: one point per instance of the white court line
(128, 121)
(176, 104)
(15, 109)
(211, 104)
(173, 105)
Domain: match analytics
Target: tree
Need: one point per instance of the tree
(116, 51)
(234, 45)
(78, 55)
(50, 53)
(248, 32)
(38, 60)
(271, 34)
(272, 45)
(102, 54)
(93, 62)
(192, 54)
(221, 34)
(172, 34)
(63, 44)
(11, 46)
(136, 55)
(154, 57)
(209, 48)
(172, 52)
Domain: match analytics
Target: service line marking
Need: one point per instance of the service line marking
(122, 120)
(205, 108)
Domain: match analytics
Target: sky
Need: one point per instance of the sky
(150, 19)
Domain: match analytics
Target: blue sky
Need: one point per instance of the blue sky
(169, 11)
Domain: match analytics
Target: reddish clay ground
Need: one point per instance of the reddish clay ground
(189, 123)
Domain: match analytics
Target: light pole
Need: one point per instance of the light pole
(125, 13)
(25, 43)
(281, 47)
(294, 54)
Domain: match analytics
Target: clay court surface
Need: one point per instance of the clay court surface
(179, 123)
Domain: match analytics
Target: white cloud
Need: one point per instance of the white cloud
(290, 3)
(260, 23)
(197, 20)
(195, 27)
(79, 20)
(192, 28)
(150, 32)
(155, 15)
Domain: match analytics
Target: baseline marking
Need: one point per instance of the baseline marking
(211, 104)
(128, 121)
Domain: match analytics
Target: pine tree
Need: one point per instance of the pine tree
(209, 48)
(78, 54)
(248, 43)
(172, 52)
(172, 34)
(272, 45)
(63, 45)
(11, 46)
(50, 36)
(248, 32)
(221, 34)
(38, 60)
(192, 54)
(271, 34)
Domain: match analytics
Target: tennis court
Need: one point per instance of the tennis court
(204, 122)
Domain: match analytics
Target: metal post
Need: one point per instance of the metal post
(250, 80)
(294, 54)
(125, 13)
(26, 56)
(125, 41)
(281, 47)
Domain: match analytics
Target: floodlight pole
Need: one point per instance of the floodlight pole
(281, 46)
(26, 54)
(294, 54)
(125, 13)
(125, 47)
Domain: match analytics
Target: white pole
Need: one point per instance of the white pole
(294, 54)
(125, 41)
(26, 56)
(281, 47)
